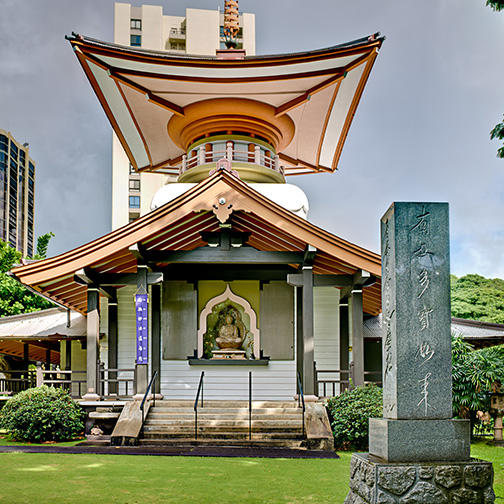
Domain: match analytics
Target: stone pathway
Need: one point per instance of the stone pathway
(189, 451)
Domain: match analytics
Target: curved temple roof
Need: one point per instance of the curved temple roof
(179, 226)
(142, 90)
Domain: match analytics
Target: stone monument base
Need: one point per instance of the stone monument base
(375, 482)
(391, 440)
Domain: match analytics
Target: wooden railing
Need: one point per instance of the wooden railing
(259, 156)
(74, 382)
(118, 382)
(15, 381)
(340, 380)
(115, 382)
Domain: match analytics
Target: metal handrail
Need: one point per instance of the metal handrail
(154, 376)
(301, 399)
(200, 390)
(250, 405)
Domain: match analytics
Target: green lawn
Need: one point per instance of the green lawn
(48, 478)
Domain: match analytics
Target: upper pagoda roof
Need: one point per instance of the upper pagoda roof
(318, 92)
(181, 224)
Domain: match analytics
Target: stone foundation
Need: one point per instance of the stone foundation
(373, 482)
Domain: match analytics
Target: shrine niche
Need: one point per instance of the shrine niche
(228, 329)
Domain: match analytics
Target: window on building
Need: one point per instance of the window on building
(136, 24)
(134, 201)
(131, 169)
(134, 185)
(14, 151)
(136, 40)
(4, 143)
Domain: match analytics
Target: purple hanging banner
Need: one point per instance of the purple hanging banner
(142, 328)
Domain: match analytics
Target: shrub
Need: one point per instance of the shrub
(350, 413)
(42, 414)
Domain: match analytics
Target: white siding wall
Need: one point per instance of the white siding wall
(276, 381)
(326, 331)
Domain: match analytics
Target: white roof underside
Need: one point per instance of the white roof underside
(42, 324)
(123, 84)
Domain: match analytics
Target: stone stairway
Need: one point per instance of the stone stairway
(225, 423)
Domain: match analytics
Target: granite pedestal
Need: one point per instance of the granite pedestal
(373, 482)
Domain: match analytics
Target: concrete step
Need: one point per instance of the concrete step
(226, 404)
(256, 443)
(224, 418)
(225, 411)
(220, 433)
(104, 415)
(217, 422)
(189, 429)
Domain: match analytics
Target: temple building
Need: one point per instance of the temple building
(225, 274)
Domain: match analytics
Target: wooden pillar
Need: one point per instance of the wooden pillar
(112, 345)
(156, 335)
(68, 355)
(48, 358)
(26, 355)
(357, 335)
(308, 341)
(141, 370)
(92, 338)
(299, 333)
(344, 361)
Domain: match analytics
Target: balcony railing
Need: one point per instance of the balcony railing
(176, 33)
(258, 156)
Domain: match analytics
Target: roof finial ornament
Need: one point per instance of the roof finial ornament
(231, 23)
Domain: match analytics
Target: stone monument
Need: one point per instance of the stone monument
(417, 452)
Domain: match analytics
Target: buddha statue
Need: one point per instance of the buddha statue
(231, 333)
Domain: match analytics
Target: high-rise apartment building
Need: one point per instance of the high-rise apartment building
(17, 194)
(199, 33)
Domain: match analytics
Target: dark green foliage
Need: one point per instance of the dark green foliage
(496, 5)
(498, 131)
(14, 298)
(350, 413)
(475, 375)
(42, 244)
(42, 414)
(478, 298)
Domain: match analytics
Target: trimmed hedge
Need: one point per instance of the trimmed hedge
(350, 413)
(42, 414)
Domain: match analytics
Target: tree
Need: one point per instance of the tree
(498, 131)
(42, 244)
(496, 5)
(475, 374)
(478, 298)
(14, 297)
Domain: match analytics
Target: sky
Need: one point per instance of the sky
(421, 131)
